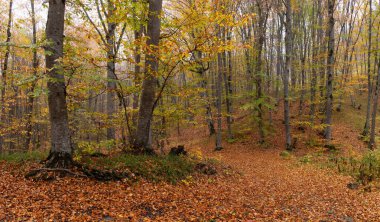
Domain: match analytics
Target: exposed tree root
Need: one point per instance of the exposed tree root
(50, 173)
(61, 165)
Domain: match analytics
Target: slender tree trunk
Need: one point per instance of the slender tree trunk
(227, 84)
(219, 102)
(141, 140)
(5, 69)
(369, 81)
(111, 75)
(29, 126)
(61, 149)
(321, 61)
(137, 77)
(303, 90)
(314, 78)
(205, 95)
(247, 55)
(330, 70)
(288, 63)
(304, 47)
(259, 43)
(279, 60)
(372, 141)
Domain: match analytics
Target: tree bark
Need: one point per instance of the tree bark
(227, 72)
(111, 76)
(369, 81)
(259, 43)
(201, 70)
(137, 69)
(330, 70)
(219, 101)
(372, 141)
(287, 71)
(29, 109)
(5, 69)
(141, 140)
(61, 148)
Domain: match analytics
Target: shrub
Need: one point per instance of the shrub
(365, 169)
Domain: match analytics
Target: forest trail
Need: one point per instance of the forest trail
(263, 186)
(274, 189)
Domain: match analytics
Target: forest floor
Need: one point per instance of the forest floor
(264, 186)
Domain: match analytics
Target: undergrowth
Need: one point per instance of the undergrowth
(18, 157)
(364, 169)
(155, 168)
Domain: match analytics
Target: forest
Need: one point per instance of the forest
(189, 110)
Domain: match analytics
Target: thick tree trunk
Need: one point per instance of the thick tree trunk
(141, 140)
(288, 63)
(330, 70)
(5, 69)
(61, 148)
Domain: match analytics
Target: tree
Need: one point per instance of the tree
(218, 144)
(33, 84)
(109, 22)
(146, 107)
(262, 11)
(369, 81)
(5, 68)
(330, 69)
(287, 71)
(61, 150)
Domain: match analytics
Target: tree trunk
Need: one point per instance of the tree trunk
(227, 70)
(5, 69)
(141, 140)
(30, 100)
(369, 81)
(279, 59)
(111, 76)
(330, 69)
(372, 142)
(137, 69)
(288, 63)
(137, 77)
(61, 149)
(205, 95)
(219, 101)
(259, 43)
